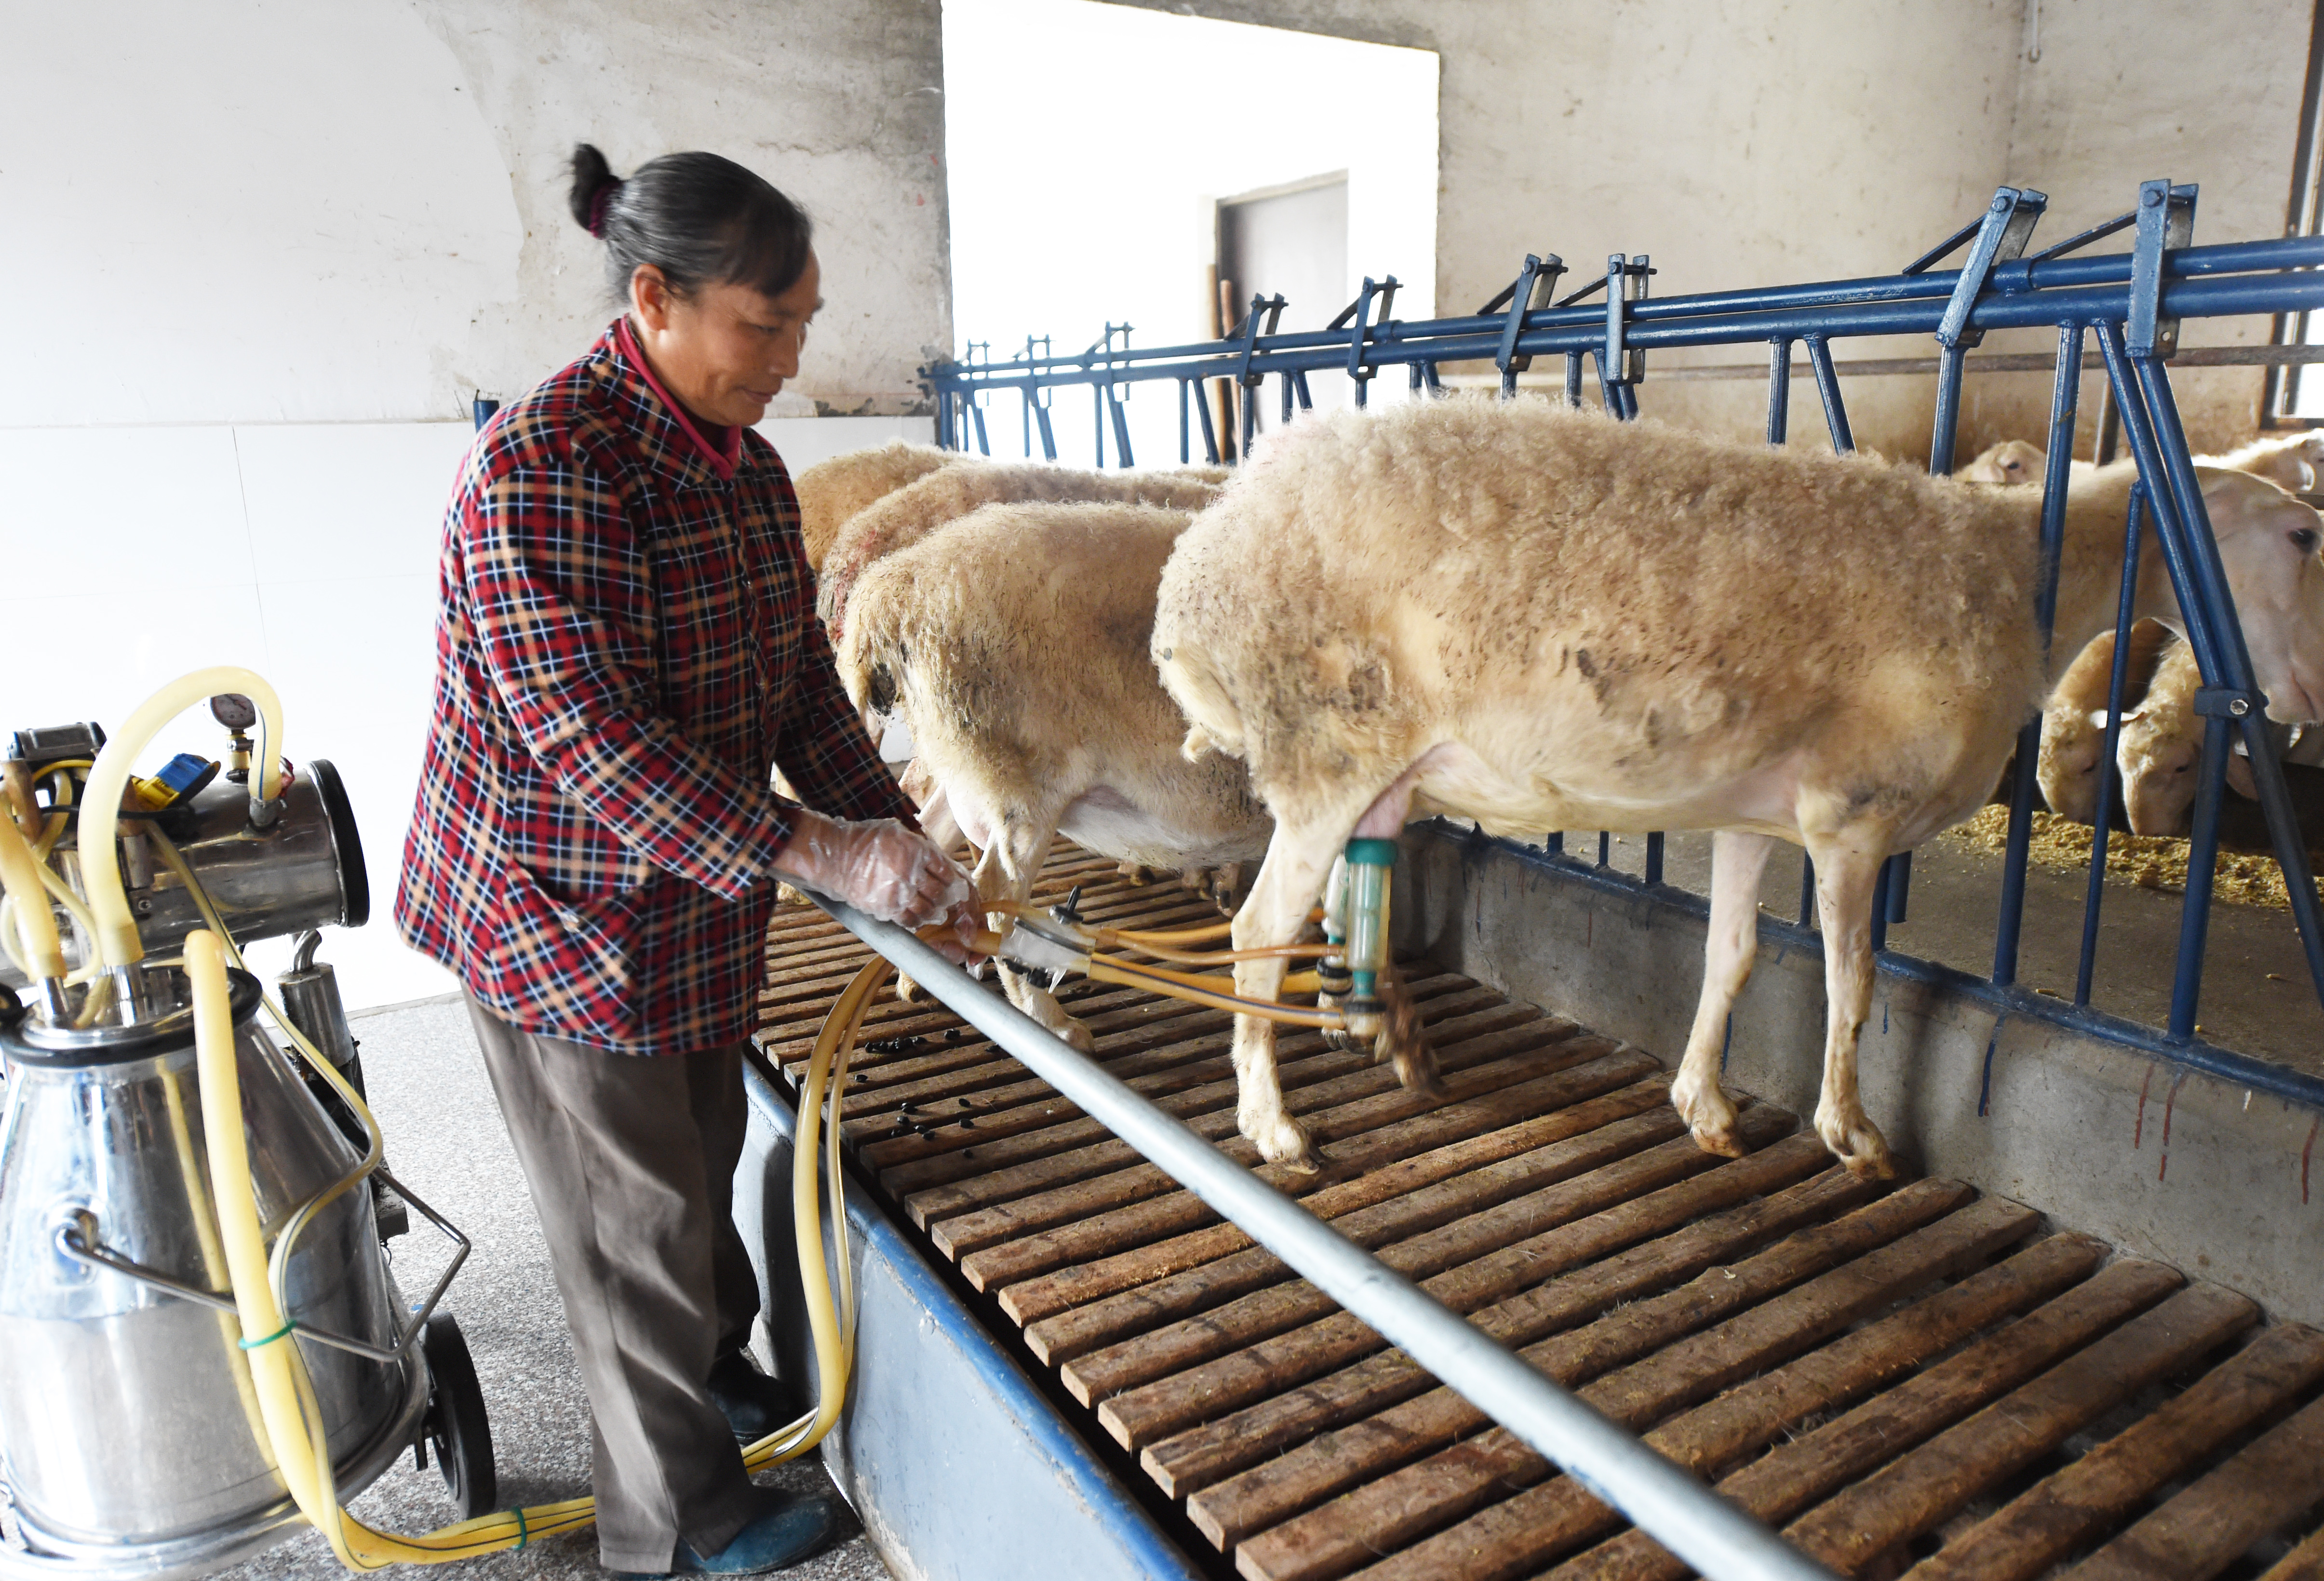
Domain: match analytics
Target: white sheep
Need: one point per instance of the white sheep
(832, 493)
(2012, 461)
(1013, 645)
(2161, 741)
(1542, 619)
(910, 514)
(2074, 720)
(2161, 734)
(2289, 460)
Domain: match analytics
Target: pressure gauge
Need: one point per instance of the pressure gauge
(234, 710)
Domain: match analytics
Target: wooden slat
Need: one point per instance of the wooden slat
(1355, 1156)
(1032, 1121)
(1190, 1461)
(1312, 1076)
(1366, 1130)
(2051, 1521)
(2277, 1478)
(1467, 1264)
(2304, 1563)
(1790, 1478)
(1519, 1535)
(1338, 1092)
(1930, 1483)
(1594, 1132)
(1393, 1510)
(1142, 1415)
(1564, 1094)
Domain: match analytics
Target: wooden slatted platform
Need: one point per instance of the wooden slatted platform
(1907, 1380)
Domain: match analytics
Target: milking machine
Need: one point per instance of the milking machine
(131, 1428)
(201, 1339)
(1351, 960)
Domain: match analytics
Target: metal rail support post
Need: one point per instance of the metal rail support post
(1535, 281)
(1359, 311)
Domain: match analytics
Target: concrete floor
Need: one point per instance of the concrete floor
(444, 1136)
(2255, 999)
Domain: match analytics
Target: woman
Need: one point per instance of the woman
(625, 650)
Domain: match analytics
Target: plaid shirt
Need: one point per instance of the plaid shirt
(626, 646)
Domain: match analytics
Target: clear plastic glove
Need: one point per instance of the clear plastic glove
(886, 869)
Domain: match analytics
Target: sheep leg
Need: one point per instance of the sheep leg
(1846, 869)
(1006, 872)
(940, 826)
(1736, 861)
(1288, 882)
(1404, 1040)
(1216, 885)
(1298, 858)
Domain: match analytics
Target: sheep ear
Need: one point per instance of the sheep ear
(2239, 775)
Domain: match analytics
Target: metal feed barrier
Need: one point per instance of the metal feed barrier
(2131, 304)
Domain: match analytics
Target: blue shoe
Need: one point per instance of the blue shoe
(789, 1528)
(752, 1403)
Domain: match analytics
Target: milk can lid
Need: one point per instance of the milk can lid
(27, 1037)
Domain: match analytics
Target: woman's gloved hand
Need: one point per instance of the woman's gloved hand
(885, 869)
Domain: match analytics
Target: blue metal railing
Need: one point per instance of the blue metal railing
(2129, 303)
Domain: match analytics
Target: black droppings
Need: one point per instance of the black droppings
(963, 1103)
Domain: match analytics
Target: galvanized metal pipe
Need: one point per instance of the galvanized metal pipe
(1713, 1536)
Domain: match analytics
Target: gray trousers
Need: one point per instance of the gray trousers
(631, 1161)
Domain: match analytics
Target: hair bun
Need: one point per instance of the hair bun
(593, 188)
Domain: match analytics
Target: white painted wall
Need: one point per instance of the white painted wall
(2111, 95)
(264, 253)
(1090, 144)
(1752, 144)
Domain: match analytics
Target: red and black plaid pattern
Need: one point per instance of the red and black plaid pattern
(626, 647)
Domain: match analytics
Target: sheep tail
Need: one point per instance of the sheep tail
(1193, 680)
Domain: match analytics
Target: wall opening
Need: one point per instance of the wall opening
(1101, 156)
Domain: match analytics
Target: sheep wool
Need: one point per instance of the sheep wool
(1544, 620)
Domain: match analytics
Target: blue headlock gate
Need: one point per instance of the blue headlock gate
(2130, 305)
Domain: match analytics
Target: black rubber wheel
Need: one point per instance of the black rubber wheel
(456, 1426)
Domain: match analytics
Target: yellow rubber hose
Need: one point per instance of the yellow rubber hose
(288, 1408)
(117, 942)
(42, 954)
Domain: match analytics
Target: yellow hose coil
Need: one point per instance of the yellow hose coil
(286, 1398)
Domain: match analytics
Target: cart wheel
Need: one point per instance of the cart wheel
(456, 1426)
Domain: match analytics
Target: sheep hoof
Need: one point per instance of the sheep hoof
(907, 989)
(1078, 1036)
(1725, 1143)
(1711, 1119)
(1137, 874)
(1404, 1042)
(1284, 1141)
(1856, 1142)
(789, 894)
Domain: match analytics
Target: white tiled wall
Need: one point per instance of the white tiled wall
(307, 552)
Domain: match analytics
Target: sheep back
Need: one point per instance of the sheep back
(1015, 642)
(1587, 601)
(923, 507)
(831, 492)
